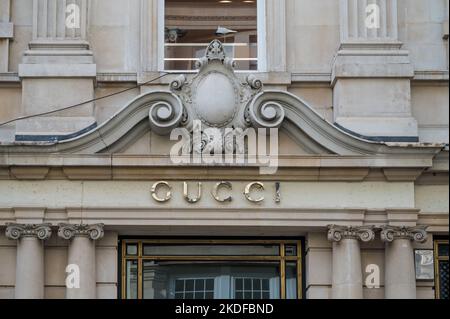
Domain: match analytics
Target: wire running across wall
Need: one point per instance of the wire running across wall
(84, 102)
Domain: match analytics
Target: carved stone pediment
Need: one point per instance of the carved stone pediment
(217, 97)
(219, 100)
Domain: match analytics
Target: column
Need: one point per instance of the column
(347, 273)
(30, 258)
(82, 256)
(59, 62)
(400, 274)
(371, 73)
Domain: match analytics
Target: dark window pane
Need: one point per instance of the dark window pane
(248, 295)
(189, 295)
(209, 295)
(210, 284)
(238, 295)
(199, 284)
(265, 284)
(189, 285)
(247, 284)
(210, 250)
(238, 283)
(179, 285)
(266, 295)
(290, 250)
(443, 250)
(257, 295)
(200, 295)
(257, 284)
(443, 280)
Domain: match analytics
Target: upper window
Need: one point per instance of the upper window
(191, 25)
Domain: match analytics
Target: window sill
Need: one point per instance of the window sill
(268, 78)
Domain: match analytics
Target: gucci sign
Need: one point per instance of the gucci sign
(162, 192)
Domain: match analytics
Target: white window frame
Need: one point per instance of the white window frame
(261, 31)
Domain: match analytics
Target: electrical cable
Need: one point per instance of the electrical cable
(83, 103)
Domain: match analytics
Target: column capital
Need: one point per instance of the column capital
(416, 233)
(68, 231)
(18, 231)
(337, 233)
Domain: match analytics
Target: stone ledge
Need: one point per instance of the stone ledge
(366, 63)
(432, 75)
(307, 219)
(58, 70)
(371, 45)
(9, 77)
(401, 127)
(268, 78)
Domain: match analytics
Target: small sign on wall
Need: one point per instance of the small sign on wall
(424, 260)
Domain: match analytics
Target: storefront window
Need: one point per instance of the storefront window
(211, 270)
(191, 25)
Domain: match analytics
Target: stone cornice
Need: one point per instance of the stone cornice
(402, 168)
(298, 174)
(18, 231)
(302, 123)
(68, 231)
(337, 233)
(391, 233)
(288, 219)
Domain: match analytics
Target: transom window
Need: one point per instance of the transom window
(211, 269)
(191, 25)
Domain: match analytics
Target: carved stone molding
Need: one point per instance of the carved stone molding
(417, 233)
(222, 102)
(216, 84)
(337, 233)
(18, 231)
(165, 115)
(68, 231)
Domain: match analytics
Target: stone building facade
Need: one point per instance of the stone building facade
(352, 202)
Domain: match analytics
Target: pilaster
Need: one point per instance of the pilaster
(57, 70)
(371, 73)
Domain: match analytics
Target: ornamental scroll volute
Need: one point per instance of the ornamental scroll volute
(219, 100)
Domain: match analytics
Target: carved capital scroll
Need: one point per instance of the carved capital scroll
(363, 233)
(68, 231)
(18, 231)
(390, 233)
